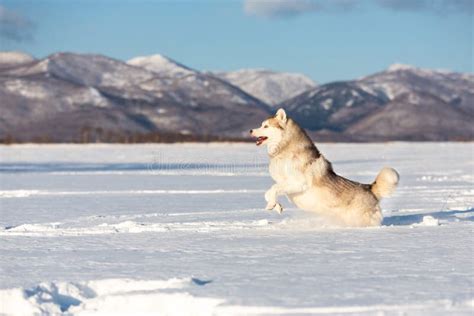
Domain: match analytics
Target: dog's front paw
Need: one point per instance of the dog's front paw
(274, 206)
(270, 197)
(278, 208)
(270, 206)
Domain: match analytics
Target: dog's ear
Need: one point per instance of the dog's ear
(281, 116)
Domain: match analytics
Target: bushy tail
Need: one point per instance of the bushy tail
(385, 183)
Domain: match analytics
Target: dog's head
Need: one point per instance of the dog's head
(272, 129)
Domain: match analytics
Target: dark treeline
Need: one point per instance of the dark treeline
(87, 135)
(97, 135)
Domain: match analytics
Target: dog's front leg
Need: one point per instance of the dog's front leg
(272, 194)
(271, 197)
(293, 189)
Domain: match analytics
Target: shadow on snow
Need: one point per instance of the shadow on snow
(88, 167)
(405, 220)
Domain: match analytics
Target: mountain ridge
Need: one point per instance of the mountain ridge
(67, 88)
(70, 97)
(340, 106)
(270, 86)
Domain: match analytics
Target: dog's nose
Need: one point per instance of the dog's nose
(251, 131)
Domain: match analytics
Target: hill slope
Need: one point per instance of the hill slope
(69, 97)
(269, 86)
(402, 102)
(59, 97)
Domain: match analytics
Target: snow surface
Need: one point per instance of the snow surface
(180, 230)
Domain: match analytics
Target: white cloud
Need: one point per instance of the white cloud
(288, 8)
(434, 6)
(279, 8)
(14, 26)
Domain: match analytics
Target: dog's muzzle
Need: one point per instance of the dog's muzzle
(260, 140)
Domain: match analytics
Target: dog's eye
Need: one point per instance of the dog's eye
(266, 126)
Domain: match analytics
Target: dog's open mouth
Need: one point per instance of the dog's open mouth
(260, 140)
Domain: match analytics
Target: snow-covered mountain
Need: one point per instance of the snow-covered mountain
(161, 65)
(190, 84)
(451, 87)
(269, 86)
(60, 96)
(350, 108)
(12, 58)
(414, 116)
(332, 106)
(74, 97)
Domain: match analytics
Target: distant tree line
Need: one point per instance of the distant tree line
(88, 135)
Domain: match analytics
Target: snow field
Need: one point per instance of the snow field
(180, 230)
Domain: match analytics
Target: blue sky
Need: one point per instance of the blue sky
(327, 40)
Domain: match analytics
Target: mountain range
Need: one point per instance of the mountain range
(269, 86)
(68, 97)
(400, 103)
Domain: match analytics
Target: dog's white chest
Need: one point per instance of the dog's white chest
(284, 171)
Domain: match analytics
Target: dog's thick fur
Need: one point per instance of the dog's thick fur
(303, 174)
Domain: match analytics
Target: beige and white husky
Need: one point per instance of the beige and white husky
(303, 174)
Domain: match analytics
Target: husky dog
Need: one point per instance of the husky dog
(303, 174)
